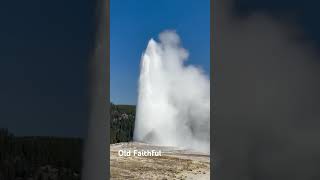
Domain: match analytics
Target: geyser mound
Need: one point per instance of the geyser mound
(174, 99)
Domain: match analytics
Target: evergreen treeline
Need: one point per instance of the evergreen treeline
(39, 158)
(122, 123)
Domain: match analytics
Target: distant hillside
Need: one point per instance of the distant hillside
(39, 158)
(130, 109)
(122, 123)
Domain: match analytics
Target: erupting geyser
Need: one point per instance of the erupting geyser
(174, 99)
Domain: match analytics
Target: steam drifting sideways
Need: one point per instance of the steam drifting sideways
(174, 99)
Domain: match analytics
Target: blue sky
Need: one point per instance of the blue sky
(44, 52)
(43, 66)
(134, 22)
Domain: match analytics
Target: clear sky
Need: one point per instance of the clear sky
(45, 47)
(44, 52)
(134, 22)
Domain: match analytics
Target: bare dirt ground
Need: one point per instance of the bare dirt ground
(173, 163)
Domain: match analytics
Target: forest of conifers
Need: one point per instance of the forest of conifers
(122, 123)
(39, 158)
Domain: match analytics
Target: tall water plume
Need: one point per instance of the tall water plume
(174, 98)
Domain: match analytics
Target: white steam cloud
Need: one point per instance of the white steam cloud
(174, 99)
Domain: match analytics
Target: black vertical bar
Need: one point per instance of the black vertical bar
(96, 155)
